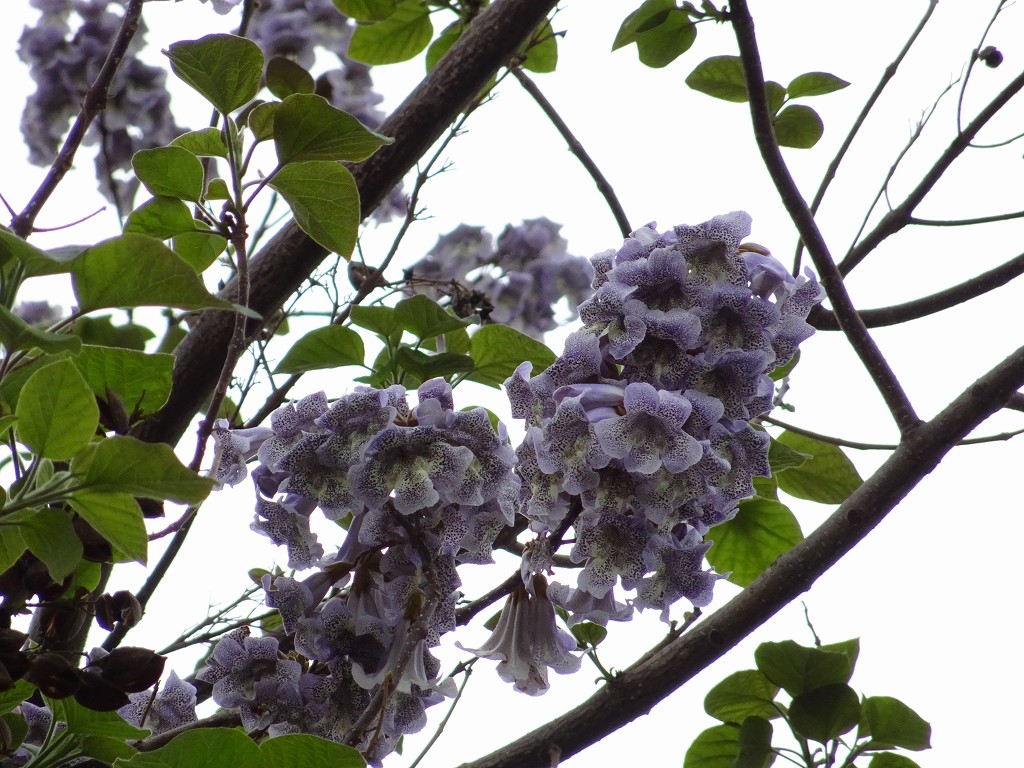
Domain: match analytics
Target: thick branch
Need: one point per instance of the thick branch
(849, 321)
(290, 257)
(637, 689)
(953, 296)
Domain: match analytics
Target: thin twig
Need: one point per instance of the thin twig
(606, 189)
(940, 301)
(965, 222)
(468, 670)
(833, 167)
(899, 216)
(971, 63)
(999, 437)
(857, 334)
(94, 102)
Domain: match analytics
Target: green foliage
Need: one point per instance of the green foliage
(88, 722)
(397, 37)
(825, 713)
(16, 334)
(542, 52)
(720, 77)
(231, 748)
(141, 381)
(742, 694)
(891, 723)
(814, 84)
(225, 69)
(378, 319)
(208, 142)
(57, 413)
(161, 217)
(307, 127)
(285, 77)
(170, 172)
(761, 531)
(588, 634)
(324, 201)
(498, 350)
(117, 518)
(827, 476)
(798, 669)
(366, 10)
(797, 126)
(138, 271)
(823, 708)
(330, 347)
(443, 43)
(49, 535)
(424, 318)
(662, 32)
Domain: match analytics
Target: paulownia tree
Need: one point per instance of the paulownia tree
(647, 438)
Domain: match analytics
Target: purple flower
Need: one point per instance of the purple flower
(233, 447)
(172, 707)
(526, 641)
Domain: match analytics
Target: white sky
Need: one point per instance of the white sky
(931, 605)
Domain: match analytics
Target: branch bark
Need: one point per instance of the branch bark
(290, 257)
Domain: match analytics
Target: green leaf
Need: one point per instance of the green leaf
(261, 120)
(285, 77)
(102, 332)
(11, 547)
(150, 470)
(425, 318)
(377, 319)
(107, 749)
(755, 744)
(542, 56)
(330, 347)
(199, 249)
(721, 77)
(117, 518)
(776, 96)
(782, 371)
(648, 16)
(142, 381)
(57, 413)
(781, 457)
(16, 335)
(209, 142)
(797, 126)
(307, 127)
(498, 350)
(13, 696)
(716, 747)
(170, 171)
(761, 531)
(324, 201)
(138, 271)
(660, 45)
(225, 69)
(89, 722)
(300, 750)
(217, 189)
(742, 694)
(891, 760)
(366, 10)
(827, 477)
(161, 217)
(397, 38)
(849, 648)
(443, 44)
(36, 262)
(798, 669)
(588, 634)
(814, 84)
(208, 747)
(49, 535)
(891, 723)
(427, 366)
(824, 713)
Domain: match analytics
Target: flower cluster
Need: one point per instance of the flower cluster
(639, 435)
(420, 490)
(521, 279)
(64, 64)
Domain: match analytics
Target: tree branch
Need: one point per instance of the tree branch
(639, 687)
(94, 103)
(900, 216)
(824, 320)
(290, 257)
(887, 75)
(606, 189)
(846, 314)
